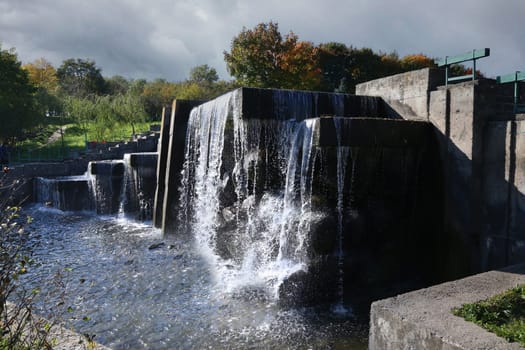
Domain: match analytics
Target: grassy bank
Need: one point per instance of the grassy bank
(48, 143)
(503, 314)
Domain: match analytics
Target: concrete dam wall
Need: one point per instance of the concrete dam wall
(481, 151)
(319, 197)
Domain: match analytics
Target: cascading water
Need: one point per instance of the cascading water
(105, 183)
(342, 159)
(246, 193)
(65, 193)
(138, 185)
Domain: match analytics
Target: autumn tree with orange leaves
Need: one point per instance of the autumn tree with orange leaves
(262, 57)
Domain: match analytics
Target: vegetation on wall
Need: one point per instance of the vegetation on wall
(502, 314)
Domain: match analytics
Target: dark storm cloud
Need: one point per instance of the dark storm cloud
(166, 38)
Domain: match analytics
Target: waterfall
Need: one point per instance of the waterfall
(105, 184)
(246, 193)
(342, 159)
(138, 185)
(67, 193)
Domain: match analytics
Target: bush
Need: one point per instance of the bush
(19, 328)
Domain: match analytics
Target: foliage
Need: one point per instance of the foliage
(17, 104)
(156, 95)
(117, 84)
(42, 74)
(204, 75)
(417, 61)
(80, 78)
(502, 314)
(19, 329)
(81, 110)
(262, 57)
(129, 109)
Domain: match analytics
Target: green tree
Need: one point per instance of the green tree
(156, 95)
(18, 111)
(129, 109)
(105, 117)
(117, 84)
(204, 75)
(262, 57)
(80, 78)
(334, 60)
(83, 112)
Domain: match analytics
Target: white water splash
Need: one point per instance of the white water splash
(252, 231)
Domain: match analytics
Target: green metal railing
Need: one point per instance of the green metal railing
(469, 56)
(515, 78)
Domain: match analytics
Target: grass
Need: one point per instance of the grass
(503, 314)
(36, 146)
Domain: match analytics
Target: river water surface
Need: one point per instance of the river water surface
(131, 288)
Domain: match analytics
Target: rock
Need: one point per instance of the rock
(156, 245)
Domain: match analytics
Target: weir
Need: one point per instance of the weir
(108, 187)
(295, 194)
(314, 198)
(298, 203)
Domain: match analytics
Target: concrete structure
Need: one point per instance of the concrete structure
(483, 156)
(171, 159)
(17, 185)
(162, 149)
(482, 151)
(407, 94)
(423, 319)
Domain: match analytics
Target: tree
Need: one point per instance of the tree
(158, 94)
(334, 59)
(117, 84)
(17, 103)
(300, 65)
(129, 109)
(416, 61)
(203, 75)
(43, 76)
(82, 110)
(262, 57)
(80, 78)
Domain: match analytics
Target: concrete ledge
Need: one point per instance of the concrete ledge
(422, 319)
(370, 132)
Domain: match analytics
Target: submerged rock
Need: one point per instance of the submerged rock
(156, 246)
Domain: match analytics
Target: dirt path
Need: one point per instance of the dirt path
(56, 135)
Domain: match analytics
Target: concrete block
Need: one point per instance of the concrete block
(369, 132)
(299, 105)
(162, 150)
(423, 320)
(411, 89)
(180, 114)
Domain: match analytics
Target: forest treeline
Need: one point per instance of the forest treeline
(258, 57)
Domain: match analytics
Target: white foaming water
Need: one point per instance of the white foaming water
(246, 193)
(102, 187)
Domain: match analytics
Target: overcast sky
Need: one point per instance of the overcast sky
(166, 38)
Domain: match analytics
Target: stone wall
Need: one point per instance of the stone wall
(480, 146)
(407, 94)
